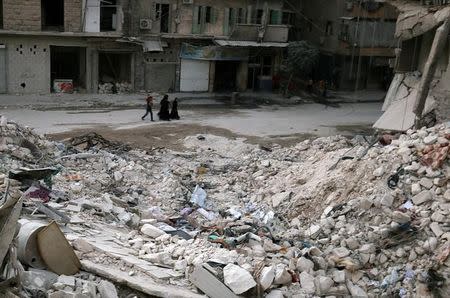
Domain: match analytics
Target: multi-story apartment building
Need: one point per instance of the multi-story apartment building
(356, 39)
(46, 40)
(206, 45)
(179, 45)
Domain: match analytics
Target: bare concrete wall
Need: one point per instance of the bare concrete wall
(28, 62)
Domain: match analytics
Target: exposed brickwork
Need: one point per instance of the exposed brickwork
(72, 15)
(23, 15)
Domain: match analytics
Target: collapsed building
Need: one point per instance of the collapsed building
(326, 217)
(421, 83)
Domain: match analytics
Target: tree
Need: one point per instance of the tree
(301, 59)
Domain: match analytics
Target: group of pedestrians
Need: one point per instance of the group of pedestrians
(164, 110)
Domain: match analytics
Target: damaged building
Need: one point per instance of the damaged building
(119, 46)
(421, 86)
(211, 45)
(356, 39)
(53, 46)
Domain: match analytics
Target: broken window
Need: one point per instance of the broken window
(208, 17)
(329, 28)
(242, 16)
(275, 17)
(52, 15)
(288, 18)
(267, 66)
(203, 15)
(162, 15)
(344, 32)
(259, 15)
(108, 15)
(1, 14)
(409, 56)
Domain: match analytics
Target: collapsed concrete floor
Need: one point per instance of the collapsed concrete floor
(327, 217)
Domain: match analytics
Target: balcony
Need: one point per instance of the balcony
(256, 32)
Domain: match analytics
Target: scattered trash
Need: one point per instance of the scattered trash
(198, 196)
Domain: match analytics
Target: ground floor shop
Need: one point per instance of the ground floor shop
(37, 64)
(354, 72)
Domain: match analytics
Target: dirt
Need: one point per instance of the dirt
(171, 136)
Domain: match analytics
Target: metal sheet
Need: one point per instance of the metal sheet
(194, 75)
(92, 16)
(240, 43)
(56, 251)
(152, 46)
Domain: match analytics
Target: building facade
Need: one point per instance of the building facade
(43, 42)
(122, 45)
(356, 39)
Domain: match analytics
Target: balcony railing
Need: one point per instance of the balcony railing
(257, 32)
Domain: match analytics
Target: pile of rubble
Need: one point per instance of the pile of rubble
(115, 87)
(327, 217)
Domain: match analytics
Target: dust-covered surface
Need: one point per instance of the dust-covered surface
(281, 220)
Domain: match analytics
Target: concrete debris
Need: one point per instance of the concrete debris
(238, 279)
(280, 222)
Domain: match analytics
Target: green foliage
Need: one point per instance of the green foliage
(302, 57)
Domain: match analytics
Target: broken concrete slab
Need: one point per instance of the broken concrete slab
(238, 279)
(209, 284)
(139, 283)
(107, 289)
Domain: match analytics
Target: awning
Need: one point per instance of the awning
(147, 45)
(240, 43)
(154, 45)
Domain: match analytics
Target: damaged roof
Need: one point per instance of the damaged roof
(416, 19)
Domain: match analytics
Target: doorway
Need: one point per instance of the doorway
(225, 77)
(68, 63)
(2, 68)
(114, 67)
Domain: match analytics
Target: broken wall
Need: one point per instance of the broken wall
(28, 62)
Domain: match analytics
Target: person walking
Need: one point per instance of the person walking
(149, 100)
(164, 113)
(174, 112)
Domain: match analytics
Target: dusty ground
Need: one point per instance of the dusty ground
(171, 136)
(264, 124)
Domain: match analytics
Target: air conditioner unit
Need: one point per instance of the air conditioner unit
(188, 1)
(145, 24)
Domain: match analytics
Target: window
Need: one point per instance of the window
(275, 17)
(108, 15)
(162, 16)
(208, 14)
(232, 16)
(1, 14)
(288, 18)
(267, 66)
(329, 28)
(242, 16)
(52, 15)
(259, 15)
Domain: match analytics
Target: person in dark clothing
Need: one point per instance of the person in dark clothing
(174, 112)
(149, 100)
(164, 113)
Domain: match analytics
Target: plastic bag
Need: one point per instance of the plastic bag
(198, 196)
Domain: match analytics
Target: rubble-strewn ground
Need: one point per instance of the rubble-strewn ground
(294, 221)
